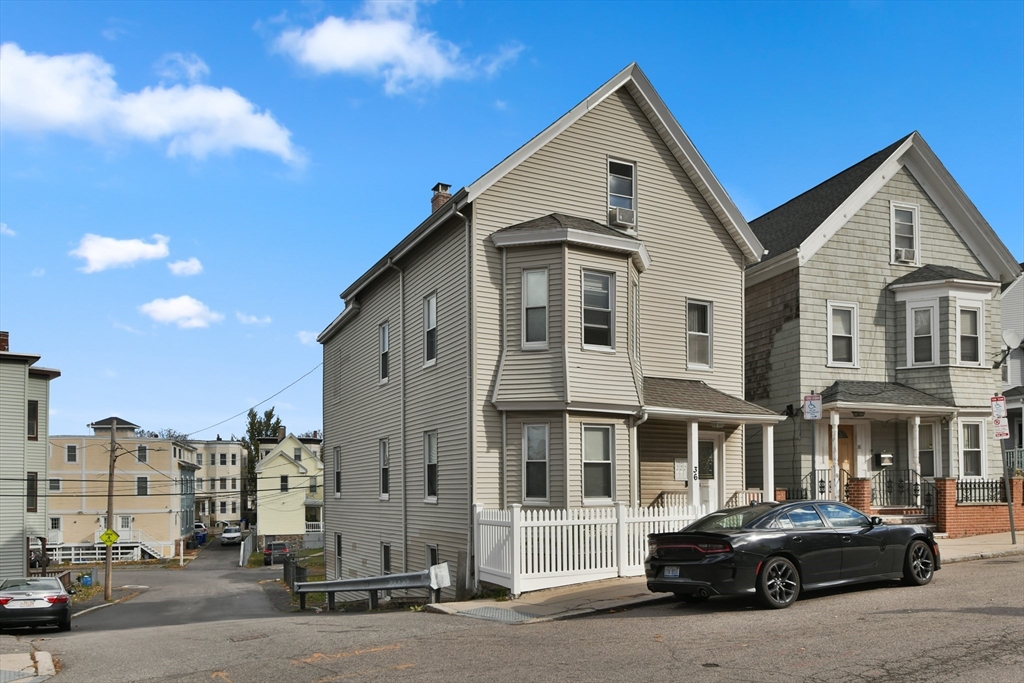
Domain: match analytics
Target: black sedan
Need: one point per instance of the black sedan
(776, 550)
(34, 601)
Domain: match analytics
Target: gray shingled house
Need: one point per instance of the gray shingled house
(880, 292)
(564, 333)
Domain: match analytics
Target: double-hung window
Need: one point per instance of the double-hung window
(142, 453)
(385, 469)
(337, 471)
(32, 428)
(223, 507)
(234, 459)
(926, 449)
(71, 453)
(430, 465)
(384, 345)
(223, 458)
(921, 335)
(142, 486)
(621, 185)
(430, 329)
(199, 458)
(842, 333)
(32, 492)
(698, 334)
(535, 465)
(971, 449)
(312, 484)
(199, 483)
(905, 233)
(297, 453)
(234, 483)
(597, 462)
(223, 483)
(970, 335)
(535, 309)
(284, 483)
(598, 292)
(55, 485)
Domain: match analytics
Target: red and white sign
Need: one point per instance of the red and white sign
(1002, 426)
(812, 407)
(998, 406)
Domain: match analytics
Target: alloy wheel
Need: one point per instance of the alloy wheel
(781, 583)
(921, 562)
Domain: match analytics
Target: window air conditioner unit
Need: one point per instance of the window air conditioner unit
(906, 255)
(622, 218)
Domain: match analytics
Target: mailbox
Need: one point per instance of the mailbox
(883, 460)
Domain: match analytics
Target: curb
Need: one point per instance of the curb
(983, 555)
(107, 604)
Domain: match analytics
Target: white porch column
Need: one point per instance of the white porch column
(914, 440)
(768, 461)
(833, 421)
(691, 450)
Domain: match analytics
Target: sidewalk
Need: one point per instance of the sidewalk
(613, 594)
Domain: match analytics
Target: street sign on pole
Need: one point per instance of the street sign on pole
(1002, 427)
(998, 406)
(109, 537)
(812, 407)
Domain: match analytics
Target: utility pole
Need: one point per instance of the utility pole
(107, 582)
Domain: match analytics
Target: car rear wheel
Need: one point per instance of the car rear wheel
(64, 624)
(778, 584)
(919, 565)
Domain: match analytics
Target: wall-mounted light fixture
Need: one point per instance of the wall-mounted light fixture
(858, 413)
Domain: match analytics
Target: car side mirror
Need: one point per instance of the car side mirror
(876, 521)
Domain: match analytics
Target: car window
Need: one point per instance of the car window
(843, 516)
(735, 518)
(805, 517)
(30, 584)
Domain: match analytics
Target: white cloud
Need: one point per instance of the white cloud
(184, 311)
(76, 95)
(252, 319)
(5, 231)
(307, 338)
(38, 272)
(126, 328)
(191, 266)
(101, 253)
(386, 41)
(175, 66)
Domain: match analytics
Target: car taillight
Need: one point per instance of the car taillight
(712, 547)
(652, 546)
(4, 601)
(56, 599)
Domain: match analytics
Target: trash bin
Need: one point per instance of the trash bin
(86, 580)
(201, 538)
(190, 545)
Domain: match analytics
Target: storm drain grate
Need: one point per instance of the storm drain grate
(508, 616)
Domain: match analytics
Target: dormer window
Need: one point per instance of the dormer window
(905, 234)
(622, 194)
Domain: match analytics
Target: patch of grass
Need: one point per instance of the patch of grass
(255, 560)
(492, 592)
(83, 593)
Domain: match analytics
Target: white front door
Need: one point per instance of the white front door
(708, 474)
(55, 534)
(124, 527)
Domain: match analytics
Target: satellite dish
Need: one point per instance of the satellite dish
(1011, 338)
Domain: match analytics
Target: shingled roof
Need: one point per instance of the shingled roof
(688, 394)
(933, 273)
(564, 221)
(787, 226)
(879, 392)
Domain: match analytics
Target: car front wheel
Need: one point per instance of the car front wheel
(778, 584)
(919, 565)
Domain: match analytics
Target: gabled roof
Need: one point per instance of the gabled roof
(794, 231)
(891, 393)
(933, 273)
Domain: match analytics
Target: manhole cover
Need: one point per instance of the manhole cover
(240, 639)
(508, 616)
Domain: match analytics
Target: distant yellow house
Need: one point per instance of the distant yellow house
(289, 498)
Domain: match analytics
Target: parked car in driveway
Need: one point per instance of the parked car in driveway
(232, 535)
(34, 601)
(275, 552)
(775, 551)
(199, 528)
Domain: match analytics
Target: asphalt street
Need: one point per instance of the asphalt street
(214, 622)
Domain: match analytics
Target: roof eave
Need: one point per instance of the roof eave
(713, 416)
(889, 407)
(980, 284)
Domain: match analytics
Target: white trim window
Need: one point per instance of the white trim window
(234, 459)
(922, 341)
(430, 329)
(384, 345)
(927, 449)
(141, 486)
(969, 339)
(535, 309)
(698, 334)
(621, 184)
(337, 471)
(223, 507)
(972, 449)
(535, 463)
(142, 453)
(598, 310)
(905, 234)
(598, 478)
(430, 478)
(843, 334)
(199, 483)
(384, 458)
(284, 483)
(55, 485)
(337, 556)
(199, 459)
(71, 453)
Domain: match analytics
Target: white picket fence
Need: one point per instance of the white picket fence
(528, 550)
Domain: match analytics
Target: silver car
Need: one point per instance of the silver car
(34, 601)
(232, 535)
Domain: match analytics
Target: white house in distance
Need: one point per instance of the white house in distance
(289, 490)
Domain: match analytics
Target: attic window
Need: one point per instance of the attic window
(905, 234)
(622, 194)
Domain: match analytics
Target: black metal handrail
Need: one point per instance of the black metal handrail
(980, 491)
(904, 489)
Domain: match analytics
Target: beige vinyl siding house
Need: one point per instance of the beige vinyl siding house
(24, 429)
(829, 312)
(553, 313)
(290, 491)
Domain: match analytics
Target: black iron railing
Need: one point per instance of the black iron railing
(980, 491)
(818, 484)
(902, 489)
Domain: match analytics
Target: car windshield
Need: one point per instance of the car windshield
(231, 530)
(30, 584)
(732, 518)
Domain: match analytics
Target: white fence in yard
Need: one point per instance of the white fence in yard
(527, 550)
(247, 548)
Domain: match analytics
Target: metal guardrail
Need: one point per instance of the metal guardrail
(435, 578)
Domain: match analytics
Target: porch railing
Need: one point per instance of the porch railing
(902, 489)
(744, 497)
(1014, 459)
(980, 491)
(670, 499)
(314, 527)
(527, 550)
(818, 484)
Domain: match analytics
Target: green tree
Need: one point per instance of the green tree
(256, 426)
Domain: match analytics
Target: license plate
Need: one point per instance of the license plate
(24, 603)
(671, 572)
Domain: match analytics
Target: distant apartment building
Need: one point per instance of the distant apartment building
(219, 482)
(24, 424)
(154, 489)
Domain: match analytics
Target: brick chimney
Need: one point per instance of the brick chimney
(441, 195)
(282, 433)
(5, 344)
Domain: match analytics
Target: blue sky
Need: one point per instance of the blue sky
(185, 188)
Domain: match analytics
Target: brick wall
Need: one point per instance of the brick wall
(860, 495)
(972, 519)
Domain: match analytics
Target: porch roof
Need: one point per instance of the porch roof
(929, 273)
(685, 398)
(848, 393)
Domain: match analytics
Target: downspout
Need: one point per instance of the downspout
(405, 503)
(634, 456)
(470, 389)
(497, 385)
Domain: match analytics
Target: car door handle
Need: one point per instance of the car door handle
(846, 539)
(797, 539)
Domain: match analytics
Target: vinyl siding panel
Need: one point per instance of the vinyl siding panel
(556, 456)
(36, 454)
(13, 466)
(661, 442)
